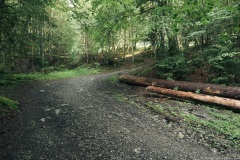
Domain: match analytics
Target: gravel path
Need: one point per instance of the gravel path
(78, 119)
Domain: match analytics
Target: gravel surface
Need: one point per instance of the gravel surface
(79, 118)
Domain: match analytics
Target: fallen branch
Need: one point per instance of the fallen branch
(211, 89)
(229, 103)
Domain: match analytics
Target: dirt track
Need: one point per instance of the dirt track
(79, 119)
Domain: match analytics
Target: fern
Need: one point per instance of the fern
(225, 66)
(175, 67)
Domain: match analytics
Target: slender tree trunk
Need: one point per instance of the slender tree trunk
(41, 49)
(196, 42)
(173, 45)
(132, 42)
(129, 40)
(2, 4)
(124, 42)
(161, 47)
(113, 42)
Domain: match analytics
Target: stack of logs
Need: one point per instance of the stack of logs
(228, 96)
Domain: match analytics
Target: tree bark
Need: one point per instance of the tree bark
(211, 89)
(227, 102)
(133, 80)
(124, 43)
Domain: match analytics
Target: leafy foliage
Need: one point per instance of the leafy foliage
(224, 68)
(32, 34)
(175, 67)
(33, 30)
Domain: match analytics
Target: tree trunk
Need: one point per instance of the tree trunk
(2, 4)
(212, 89)
(132, 44)
(41, 43)
(141, 81)
(229, 103)
(124, 43)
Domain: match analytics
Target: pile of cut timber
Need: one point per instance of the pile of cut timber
(228, 96)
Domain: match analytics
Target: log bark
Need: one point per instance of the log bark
(227, 102)
(141, 81)
(206, 88)
(211, 89)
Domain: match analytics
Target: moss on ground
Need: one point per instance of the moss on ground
(225, 123)
(6, 106)
(8, 79)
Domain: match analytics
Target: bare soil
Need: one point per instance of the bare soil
(80, 118)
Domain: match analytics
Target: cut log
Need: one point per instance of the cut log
(211, 89)
(227, 102)
(141, 81)
(206, 88)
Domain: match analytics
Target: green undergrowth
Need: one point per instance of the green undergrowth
(223, 122)
(113, 80)
(8, 79)
(218, 64)
(212, 122)
(220, 127)
(7, 105)
(120, 97)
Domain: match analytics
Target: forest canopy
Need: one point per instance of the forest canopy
(183, 35)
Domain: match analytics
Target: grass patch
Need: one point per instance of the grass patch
(113, 80)
(120, 97)
(72, 73)
(7, 79)
(7, 105)
(227, 123)
(222, 122)
(169, 113)
(220, 127)
(211, 122)
(8, 102)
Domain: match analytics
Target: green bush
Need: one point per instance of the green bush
(175, 67)
(225, 65)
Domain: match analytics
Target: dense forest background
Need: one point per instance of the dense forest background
(185, 37)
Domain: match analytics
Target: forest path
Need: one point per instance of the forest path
(78, 118)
